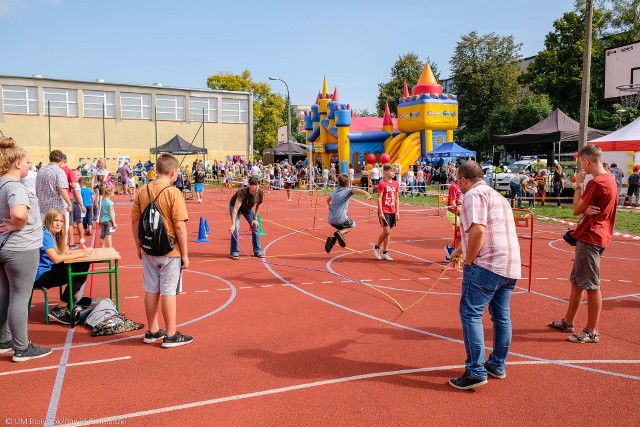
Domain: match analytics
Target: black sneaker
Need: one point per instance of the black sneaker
(6, 347)
(150, 337)
(60, 314)
(31, 352)
(494, 373)
(340, 239)
(465, 382)
(177, 340)
(329, 244)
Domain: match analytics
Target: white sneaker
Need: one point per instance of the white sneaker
(387, 257)
(376, 253)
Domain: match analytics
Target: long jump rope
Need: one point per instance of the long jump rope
(452, 264)
(455, 263)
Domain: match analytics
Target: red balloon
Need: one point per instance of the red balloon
(384, 158)
(371, 158)
(575, 155)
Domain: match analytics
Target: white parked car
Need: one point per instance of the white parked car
(501, 180)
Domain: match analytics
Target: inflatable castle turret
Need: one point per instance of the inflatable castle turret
(428, 114)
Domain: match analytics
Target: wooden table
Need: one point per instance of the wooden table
(99, 255)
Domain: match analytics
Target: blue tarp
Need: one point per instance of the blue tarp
(451, 149)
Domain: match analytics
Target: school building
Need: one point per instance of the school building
(90, 120)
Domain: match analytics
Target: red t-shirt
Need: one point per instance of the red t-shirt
(389, 191)
(71, 177)
(598, 229)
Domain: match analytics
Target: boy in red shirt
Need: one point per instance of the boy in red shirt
(388, 211)
(597, 207)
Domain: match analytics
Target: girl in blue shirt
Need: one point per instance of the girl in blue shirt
(52, 271)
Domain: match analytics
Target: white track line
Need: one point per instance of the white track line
(112, 419)
(47, 368)
(136, 296)
(266, 286)
(205, 290)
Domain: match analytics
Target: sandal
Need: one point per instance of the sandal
(562, 325)
(588, 337)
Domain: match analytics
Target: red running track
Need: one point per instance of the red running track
(308, 338)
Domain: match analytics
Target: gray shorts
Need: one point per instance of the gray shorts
(161, 274)
(105, 229)
(586, 266)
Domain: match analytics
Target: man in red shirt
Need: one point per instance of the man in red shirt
(388, 211)
(597, 207)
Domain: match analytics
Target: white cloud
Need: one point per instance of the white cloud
(14, 7)
(10, 7)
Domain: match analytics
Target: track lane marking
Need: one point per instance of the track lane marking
(314, 384)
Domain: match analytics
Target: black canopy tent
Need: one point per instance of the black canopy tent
(178, 146)
(282, 150)
(554, 129)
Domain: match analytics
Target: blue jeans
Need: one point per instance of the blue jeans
(255, 233)
(516, 191)
(481, 287)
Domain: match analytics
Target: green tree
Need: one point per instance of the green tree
(557, 70)
(267, 106)
(365, 113)
(622, 19)
(485, 71)
(407, 69)
(524, 113)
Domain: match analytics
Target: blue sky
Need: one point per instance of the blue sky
(353, 42)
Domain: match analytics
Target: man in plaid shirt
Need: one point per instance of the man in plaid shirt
(52, 186)
(491, 262)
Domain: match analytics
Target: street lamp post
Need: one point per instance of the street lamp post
(288, 116)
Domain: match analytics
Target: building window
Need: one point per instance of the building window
(169, 107)
(94, 101)
(209, 105)
(235, 110)
(63, 102)
(20, 99)
(135, 105)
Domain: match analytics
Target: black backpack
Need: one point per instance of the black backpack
(152, 233)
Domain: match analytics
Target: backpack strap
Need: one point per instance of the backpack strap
(158, 195)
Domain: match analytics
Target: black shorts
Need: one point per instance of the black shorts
(348, 223)
(389, 220)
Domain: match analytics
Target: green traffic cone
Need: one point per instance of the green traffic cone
(262, 233)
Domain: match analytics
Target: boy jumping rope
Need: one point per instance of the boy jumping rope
(338, 203)
(388, 211)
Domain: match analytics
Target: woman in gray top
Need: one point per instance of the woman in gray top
(20, 241)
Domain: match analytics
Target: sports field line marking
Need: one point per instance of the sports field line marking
(328, 281)
(224, 289)
(605, 280)
(132, 297)
(542, 278)
(425, 332)
(379, 279)
(204, 290)
(314, 384)
(625, 281)
(306, 283)
(266, 286)
(424, 278)
(48, 368)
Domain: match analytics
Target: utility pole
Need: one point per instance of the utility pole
(586, 77)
